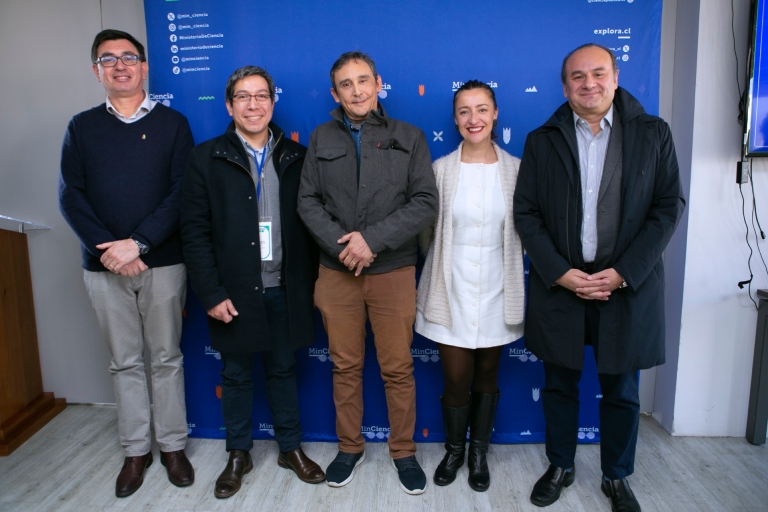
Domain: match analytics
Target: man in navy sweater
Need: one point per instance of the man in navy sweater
(122, 165)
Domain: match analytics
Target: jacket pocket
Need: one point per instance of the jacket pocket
(329, 154)
(336, 166)
(394, 160)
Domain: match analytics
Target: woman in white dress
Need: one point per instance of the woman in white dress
(471, 297)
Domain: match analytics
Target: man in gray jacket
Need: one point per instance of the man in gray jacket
(367, 190)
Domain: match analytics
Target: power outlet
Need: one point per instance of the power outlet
(742, 172)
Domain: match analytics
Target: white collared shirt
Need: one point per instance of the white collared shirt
(146, 106)
(592, 151)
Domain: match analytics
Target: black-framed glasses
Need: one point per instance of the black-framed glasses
(246, 98)
(109, 61)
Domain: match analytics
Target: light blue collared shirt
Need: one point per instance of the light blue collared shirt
(269, 206)
(145, 108)
(592, 151)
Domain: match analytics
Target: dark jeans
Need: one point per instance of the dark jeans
(619, 411)
(280, 370)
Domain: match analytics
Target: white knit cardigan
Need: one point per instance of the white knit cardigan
(436, 283)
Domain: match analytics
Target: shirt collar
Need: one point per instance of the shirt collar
(250, 149)
(146, 105)
(607, 120)
(349, 124)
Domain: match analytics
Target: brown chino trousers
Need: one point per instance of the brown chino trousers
(389, 302)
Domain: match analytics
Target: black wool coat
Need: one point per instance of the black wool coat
(548, 216)
(220, 236)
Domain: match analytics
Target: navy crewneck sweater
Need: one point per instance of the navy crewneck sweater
(121, 180)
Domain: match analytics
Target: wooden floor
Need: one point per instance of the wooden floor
(72, 463)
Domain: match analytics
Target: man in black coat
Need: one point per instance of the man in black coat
(598, 197)
(253, 266)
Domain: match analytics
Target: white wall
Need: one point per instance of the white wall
(46, 79)
(718, 320)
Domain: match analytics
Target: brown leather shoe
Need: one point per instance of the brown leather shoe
(180, 470)
(229, 481)
(132, 475)
(304, 467)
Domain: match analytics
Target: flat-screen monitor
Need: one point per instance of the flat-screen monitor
(756, 124)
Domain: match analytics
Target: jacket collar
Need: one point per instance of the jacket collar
(625, 106)
(373, 116)
(230, 147)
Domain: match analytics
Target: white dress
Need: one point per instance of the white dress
(477, 298)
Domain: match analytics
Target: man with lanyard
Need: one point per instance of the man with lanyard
(122, 165)
(252, 265)
(598, 198)
(367, 191)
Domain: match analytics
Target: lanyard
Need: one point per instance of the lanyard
(259, 168)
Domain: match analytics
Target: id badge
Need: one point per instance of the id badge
(265, 237)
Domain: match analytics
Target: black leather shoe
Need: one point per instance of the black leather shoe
(455, 421)
(547, 490)
(304, 467)
(180, 470)
(622, 497)
(132, 475)
(229, 481)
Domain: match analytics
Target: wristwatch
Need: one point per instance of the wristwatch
(622, 285)
(143, 248)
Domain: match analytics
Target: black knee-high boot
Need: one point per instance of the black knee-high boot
(482, 415)
(455, 421)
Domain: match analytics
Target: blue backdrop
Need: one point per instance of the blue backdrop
(423, 52)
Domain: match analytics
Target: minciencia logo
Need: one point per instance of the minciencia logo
(522, 354)
(164, 98)
(322, 354)
(375, 432)
(425, 354)
(457, 85)
(384, 92)
(210, 352)
(268, 428)
(588, 432)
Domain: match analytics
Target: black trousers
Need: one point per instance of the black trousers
(282, 395)
(619, 411)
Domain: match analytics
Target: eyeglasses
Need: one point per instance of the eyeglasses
(109, 61)
(246, 98)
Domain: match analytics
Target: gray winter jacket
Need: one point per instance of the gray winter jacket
(394, 199)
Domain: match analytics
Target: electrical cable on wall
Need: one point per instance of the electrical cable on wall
(744, 166)
(748, 282)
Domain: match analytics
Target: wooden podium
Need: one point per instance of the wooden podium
(24, 407)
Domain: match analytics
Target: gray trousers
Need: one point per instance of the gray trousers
(133, 311)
